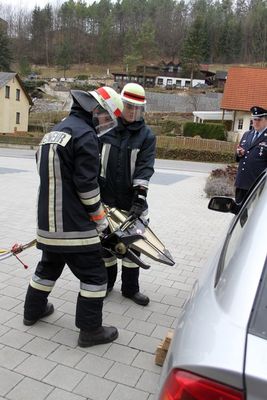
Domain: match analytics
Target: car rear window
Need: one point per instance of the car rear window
(235, 233)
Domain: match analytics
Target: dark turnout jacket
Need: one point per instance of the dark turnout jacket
(69, 195)
(127, 161)
(254, 161)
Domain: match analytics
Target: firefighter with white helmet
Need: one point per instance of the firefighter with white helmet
(70, 214)
(134, 100)
(127, 164)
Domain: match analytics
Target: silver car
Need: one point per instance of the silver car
(219, 349)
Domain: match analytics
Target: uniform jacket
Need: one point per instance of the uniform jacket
(254, 160)
(127, 161)
(69, 195)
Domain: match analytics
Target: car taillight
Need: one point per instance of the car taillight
(182, 385)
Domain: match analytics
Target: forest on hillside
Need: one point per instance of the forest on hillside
(134, 31)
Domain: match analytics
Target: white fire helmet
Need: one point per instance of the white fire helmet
(109, 109)
(134, 100)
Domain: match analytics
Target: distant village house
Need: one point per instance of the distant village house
(14, 104)
(167, 75)
(245, 87)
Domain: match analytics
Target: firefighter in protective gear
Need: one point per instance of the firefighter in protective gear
(127, 164)
(70, 214)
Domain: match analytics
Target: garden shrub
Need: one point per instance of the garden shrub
(194, 155)
(221, 182)
(206, 131)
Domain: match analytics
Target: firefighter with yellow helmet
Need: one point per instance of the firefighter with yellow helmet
(127, 164)
(70, 214)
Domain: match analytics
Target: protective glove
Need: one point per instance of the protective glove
(139, 202)
(101, 225)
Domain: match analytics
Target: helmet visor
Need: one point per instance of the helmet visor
(132, 112)
(103, 120)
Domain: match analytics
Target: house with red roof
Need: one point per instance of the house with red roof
(245, 87)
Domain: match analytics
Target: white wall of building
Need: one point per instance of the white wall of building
(178, 82)
(242, 122)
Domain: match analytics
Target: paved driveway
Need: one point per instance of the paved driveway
(43, 361)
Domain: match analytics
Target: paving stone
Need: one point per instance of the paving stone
(66, 321)
(10, 358)
(8, 380)
(7, 302)
(94, 365)
(125, 337)
(44, 329)
(59, 394)
(123, 392)
(64, 377)
(148, 382)
(160, 319)
(124, 374)
(40, 347)
(120, 353)
(35, 367)
(17, 323)
(15, 338)
(116, 308)
(95, 388)
(144, 343)
(68, 307)
(138, 312)
(117, 320)
(30, 389)
(141, 327)
(3, 329)
(146, 361)
(67, 356)
(66, 337)
(6, 316)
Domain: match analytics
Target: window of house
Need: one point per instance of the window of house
(18, 94)
(160, 81)
(240, 124)
(170, 69)
(169, 81)
(250, 124)
(178, 83)
(187, 83)
(17, 118)
(7, 92)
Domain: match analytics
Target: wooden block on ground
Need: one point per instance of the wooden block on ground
(167, 340)
(162, 349)
(160, 355)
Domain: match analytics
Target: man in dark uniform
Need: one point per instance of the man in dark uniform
(70, 214)
(127, 160)
(251, 153)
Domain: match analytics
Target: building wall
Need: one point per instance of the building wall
(178, 82)
(9, 107)
(242, 122)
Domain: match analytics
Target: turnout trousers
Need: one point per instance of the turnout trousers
(129, 273)
(88, 267)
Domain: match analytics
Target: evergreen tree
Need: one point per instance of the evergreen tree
(5, 52)
(63, 57)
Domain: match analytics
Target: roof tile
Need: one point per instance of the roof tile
(245, 87)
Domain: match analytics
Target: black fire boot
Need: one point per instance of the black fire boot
(138, 298)
(48, 311)
(101, 335)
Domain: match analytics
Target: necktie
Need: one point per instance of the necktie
(255, 137)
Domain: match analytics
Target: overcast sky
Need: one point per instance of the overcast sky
(29, 4)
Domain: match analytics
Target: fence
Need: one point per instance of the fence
(195, 143)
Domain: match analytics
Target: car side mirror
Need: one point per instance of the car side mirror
(223, 204)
